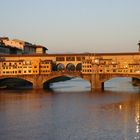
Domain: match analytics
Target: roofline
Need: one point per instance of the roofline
(69, 54)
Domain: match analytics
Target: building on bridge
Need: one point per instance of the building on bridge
(105, 64)
(25, 67)
(96, 68)
(45, 67)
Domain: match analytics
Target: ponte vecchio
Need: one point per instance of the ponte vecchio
(97, 68)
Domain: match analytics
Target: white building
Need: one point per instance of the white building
(25, 47)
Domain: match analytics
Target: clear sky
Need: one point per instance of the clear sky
(73, 25)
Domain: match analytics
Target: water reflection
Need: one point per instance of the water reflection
(68, 115)
(137, 119)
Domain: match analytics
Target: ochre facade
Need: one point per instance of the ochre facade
(96, 68)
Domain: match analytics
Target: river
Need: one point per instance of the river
(71, 112)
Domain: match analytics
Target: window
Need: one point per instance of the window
(83, 58)
(78, 58)
(70, 58)
(60, 58)
(29, 71)
(114, 70)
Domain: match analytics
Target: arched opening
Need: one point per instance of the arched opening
(79, 67)
(70, 67)
(67, 84)
(48, 83)
(120, 84)
(60, 67)
(15, 83)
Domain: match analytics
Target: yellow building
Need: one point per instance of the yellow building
(108, 64)
(30, 67)
(45, 66)
(10, 67)
(35, 66)
(19, 67)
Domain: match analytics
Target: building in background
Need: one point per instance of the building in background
(9, 50)
(17, 46)
(40, 49)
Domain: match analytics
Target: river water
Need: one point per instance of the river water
(71, 112)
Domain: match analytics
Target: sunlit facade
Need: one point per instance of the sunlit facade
(25, 67)
(109, 64)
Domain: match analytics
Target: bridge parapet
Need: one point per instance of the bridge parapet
(96, 68)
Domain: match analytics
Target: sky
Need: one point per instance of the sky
(73, 26)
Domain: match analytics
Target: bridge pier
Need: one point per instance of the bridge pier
(96, 84)
(135, 82)
(37, 82)
(37, 86)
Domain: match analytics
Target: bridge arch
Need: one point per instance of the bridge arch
(48, 82)
(109, 77)
(70, 67)
(61, 77)
(14, 82)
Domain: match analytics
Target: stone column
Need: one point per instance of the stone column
(38, 82)
(96, 84)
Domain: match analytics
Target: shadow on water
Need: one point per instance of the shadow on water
(14, 83)
(79, 85)
(68, 110)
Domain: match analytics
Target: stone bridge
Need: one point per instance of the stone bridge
(39, 80)
(95, 68)
(96, 80)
